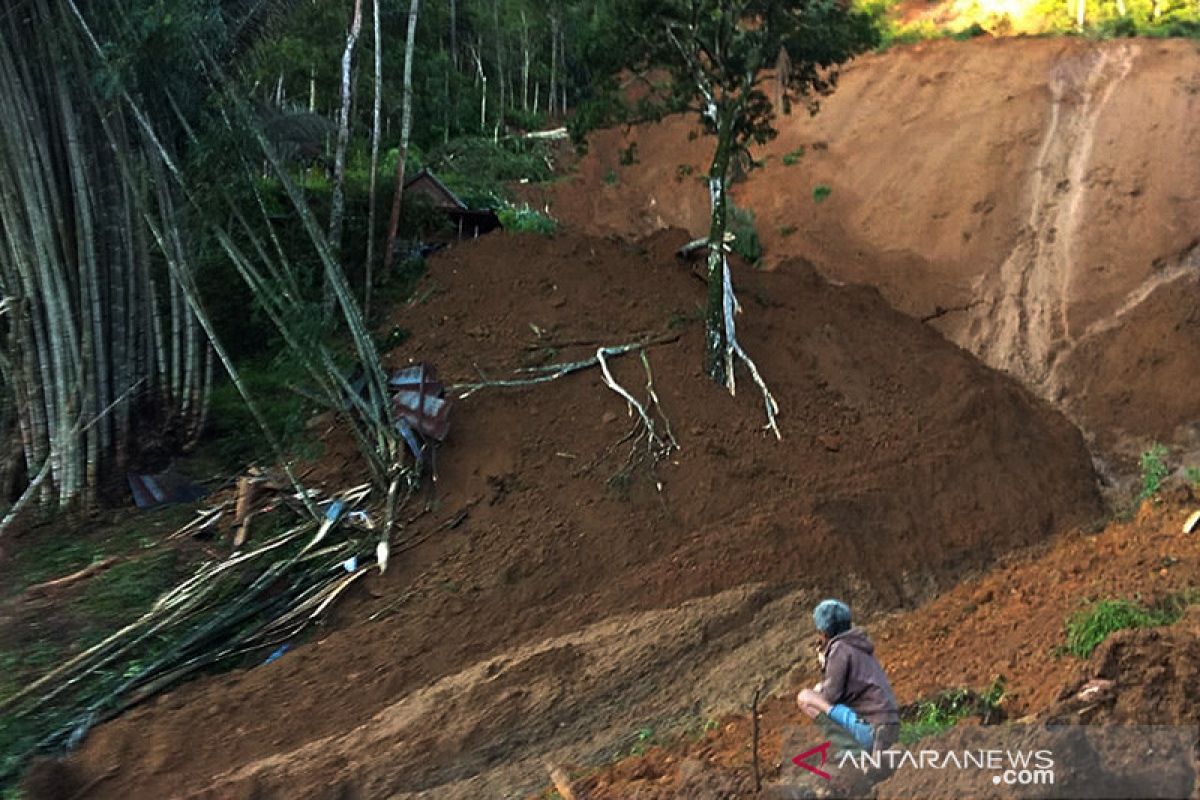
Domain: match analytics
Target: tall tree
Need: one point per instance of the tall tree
(718, 53)
(337, 204)
(376, 115)
(405, 131)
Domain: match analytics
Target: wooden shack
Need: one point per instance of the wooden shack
(468, 222)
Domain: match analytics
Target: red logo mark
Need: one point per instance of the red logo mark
(802, 759)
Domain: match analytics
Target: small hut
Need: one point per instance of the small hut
(468, 222)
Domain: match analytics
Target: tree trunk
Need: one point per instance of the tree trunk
(524, 62)
(454, 33)
(376, 114)
(480, 78)
(405, 129)
(337, 203)
(500, 106)
(553, 97)
(717, 360)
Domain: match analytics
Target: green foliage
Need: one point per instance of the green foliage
(1192, 476)
(937, 715)
(628, 155)
(234, 439)
(972, 31)
(120, 594)
(745, 242)
(644, 739)
(524, 219)
(1088, 628)
(792, 157)
(1154, 470)
(820, 193)
(477, 168)
(787, 230)
(611, 178)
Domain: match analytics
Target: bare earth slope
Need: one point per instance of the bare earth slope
(1027, 196)
(564, 613)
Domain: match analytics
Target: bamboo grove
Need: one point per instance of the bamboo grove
(106, 348)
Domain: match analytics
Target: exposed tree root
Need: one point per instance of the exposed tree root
(734, 348)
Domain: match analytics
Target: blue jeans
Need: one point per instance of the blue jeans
(862, 732)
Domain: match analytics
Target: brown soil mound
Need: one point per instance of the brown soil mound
(1006, 189)
(1008, 622)
(565, 609)
(1142, 677)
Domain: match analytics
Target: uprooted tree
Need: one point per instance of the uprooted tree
(722, 56)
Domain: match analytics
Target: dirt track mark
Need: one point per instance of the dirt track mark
(1024, 328)
(484, 731)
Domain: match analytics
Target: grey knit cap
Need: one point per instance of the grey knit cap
(832, 616)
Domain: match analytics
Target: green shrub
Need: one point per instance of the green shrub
(524, 219)
(1118, 27)
(1154, 470)
(972, 31)
(1087, 629)
(821, 192)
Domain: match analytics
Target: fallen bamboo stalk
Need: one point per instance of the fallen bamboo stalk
(75, 577)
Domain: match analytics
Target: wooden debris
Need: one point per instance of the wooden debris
(74, 578)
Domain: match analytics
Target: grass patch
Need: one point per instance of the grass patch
(1087, 629)
(1154, 470)
(792, 157)
(123, 593)
(941, 713)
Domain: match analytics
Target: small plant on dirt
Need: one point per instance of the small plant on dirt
(821, 192)
(610, 178)
(938, 714)
(1088, 628)
(1154, 470)
(644, 739)
(628, 156)
(787, 230)
(1192, 476)
(684, 171)
(793, 157)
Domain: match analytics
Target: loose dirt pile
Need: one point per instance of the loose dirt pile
(557, 605)
(1036, 200)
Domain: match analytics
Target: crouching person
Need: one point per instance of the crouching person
(855, 694)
